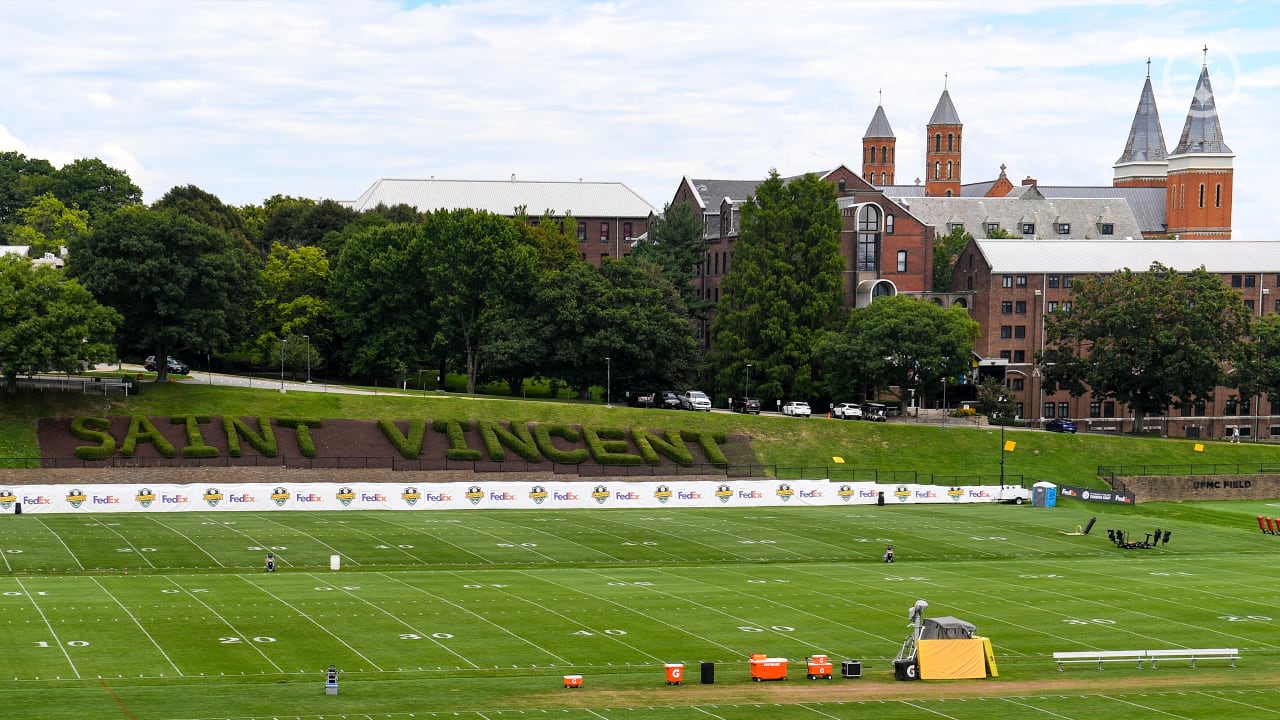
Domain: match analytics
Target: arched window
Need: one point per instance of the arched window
(948, 193)
(937, 142)
(884, 154)
(840, 183)
(882, 179)
(869, 218)
(1202, 195)
(951, 140)
(948, 169)
(1217, 195)
(937, 170)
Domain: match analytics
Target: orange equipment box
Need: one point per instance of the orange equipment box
(818, 666)
(573, 681)
(767, 668)
(675, 673)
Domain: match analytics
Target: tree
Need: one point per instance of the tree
(21, 179)
(946, 250)
(204, 207)
(94, 186)
(48, 322)
(556, 241)
(783, 289)
(898, 342)
(676, 244)
(48, 226)
(295, 305)
(177, 283)
(473, 262)
(1147, 339)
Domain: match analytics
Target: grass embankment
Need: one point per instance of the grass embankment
(812, 443)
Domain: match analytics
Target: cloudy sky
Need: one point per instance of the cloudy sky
(319, 98)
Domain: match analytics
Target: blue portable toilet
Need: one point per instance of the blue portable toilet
(1044, 494)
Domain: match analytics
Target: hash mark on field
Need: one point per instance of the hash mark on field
(226, 622)
(60, 540)
(436, 538)
(140, 626)
(62, 646)
(184, 537)
(127, 542)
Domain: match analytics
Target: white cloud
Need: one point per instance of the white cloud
(320, 98)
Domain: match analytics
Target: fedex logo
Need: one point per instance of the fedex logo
(375, 497)
(750, 494)
(565, 496)
(173, 499)
(106, 500)
(437, 497)
(867, 494)
(979, 493)
(37, 500)
(629, 495)
(308, 498)
(926, 494)
(503, 496)
(810, 493)
(241, 498)
(688, 495)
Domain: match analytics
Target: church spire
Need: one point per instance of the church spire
(1201, 174)
(942, 150)
(1202, 133)
(1145, 160)
(879, 146)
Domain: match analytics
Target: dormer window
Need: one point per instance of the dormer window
(1108, 229)
(1064, 228)
(1028, 228)
(992, 229)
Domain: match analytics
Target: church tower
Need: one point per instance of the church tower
(1198, 199)
(1145, 161)
(878, 149)
(942, 150)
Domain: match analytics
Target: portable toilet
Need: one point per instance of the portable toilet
(1044, 494)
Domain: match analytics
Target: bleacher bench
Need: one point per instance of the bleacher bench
(1139, 656)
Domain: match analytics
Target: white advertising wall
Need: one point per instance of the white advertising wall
(482, 495)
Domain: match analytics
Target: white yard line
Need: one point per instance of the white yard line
(184, 537)
(256, 542)
(140, 627)
(1031, 707)
(226, 622)
(310, 619)
(423, 633)
(1144, 707)
(925, 709)
(61, 645)
(315, 539)
(126, 542)
(478, 616)
(389, 545)
(63, 542)
(557, 537)
(434, 537)
(1251, 706)
(706, 712)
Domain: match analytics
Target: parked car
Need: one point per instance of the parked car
(667, 400)
(175, 365)
(847, 411)
(875, 412)
(796, 408)
(642, 398)
(1060, 425)
(695, 400)
(745, 405)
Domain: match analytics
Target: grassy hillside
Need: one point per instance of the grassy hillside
(784, 442)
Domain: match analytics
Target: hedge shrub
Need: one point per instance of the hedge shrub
(710, 442)
(458, 449)
(409, 447)
(608, 445)
(195, 448)
(93, 429)
(141, 430)
(542, 434)
(264, 443)
(496, 437)
(671, 447)
(301, 426)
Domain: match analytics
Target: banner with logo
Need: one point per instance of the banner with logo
(481, 495)
(1091, 495)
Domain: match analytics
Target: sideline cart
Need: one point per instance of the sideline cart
(767, 668)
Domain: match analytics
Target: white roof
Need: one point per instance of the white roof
(20, 250)
(502, 197)
(1107, 256)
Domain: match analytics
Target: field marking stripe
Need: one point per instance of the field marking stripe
(183, 535)
(706, 712)
(424, 634)
(140, 626)
(56, 639)
(1143, 707)
(60, 540)
(313, 538)
(1251, 706)
(477, 615)
(310, 619)
(416, 532)
(225, 525)
(4, 553)
(116, 697)
(928, 710)
(436, 538)
(126, 541)
(1033, 708)
(226, 622)
(554, 536)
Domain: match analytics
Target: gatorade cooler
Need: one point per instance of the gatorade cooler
(573, 681)
(818, 666)
(767, 668)
(675, 673)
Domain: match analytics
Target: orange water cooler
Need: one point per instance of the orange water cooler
(818, 666)
(767, 668)
(675, 673)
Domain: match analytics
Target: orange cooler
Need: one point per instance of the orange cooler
(767, 668)
(573, 681)
(818, 666)
(675, 673)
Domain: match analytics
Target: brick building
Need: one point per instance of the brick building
(609, 214)
(1017, 283)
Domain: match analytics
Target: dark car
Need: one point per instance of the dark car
(1060, 425)
(667, 400)
(175, 365)
(745, 405)
(642, 398)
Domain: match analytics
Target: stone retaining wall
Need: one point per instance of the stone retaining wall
(1183, 488)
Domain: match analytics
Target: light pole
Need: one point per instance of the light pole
(746, 388)
(308, 339)
(1001, 416)
(608, 382)
(282, 341)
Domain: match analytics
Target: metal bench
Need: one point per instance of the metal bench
(1100, 656)
(1194, 654)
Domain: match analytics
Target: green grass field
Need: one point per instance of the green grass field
(479, 614)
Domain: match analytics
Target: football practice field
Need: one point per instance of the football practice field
(480, 614)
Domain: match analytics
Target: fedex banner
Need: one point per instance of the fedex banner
(481, 495)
